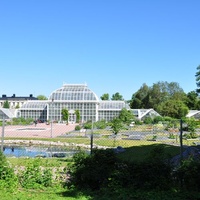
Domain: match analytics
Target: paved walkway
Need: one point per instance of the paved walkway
(41, 130)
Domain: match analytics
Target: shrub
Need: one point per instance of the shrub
(92, 171)
(188, 175)
(77, 128)
(33, 176)
(103, 170)
(8, 179)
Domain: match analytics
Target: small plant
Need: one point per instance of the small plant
(154, 137)
(171, 136)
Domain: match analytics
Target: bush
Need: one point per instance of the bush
(77, 128)
(35, 177)
(92, 171)
(103, 170)
(8, 179)
(188, 175)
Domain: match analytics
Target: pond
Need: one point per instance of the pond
(38, 151)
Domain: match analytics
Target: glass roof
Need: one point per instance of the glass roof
(73, 92)
(115, 105)
(37, 105)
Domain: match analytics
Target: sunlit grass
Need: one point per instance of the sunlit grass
(53, 162)
(47, 194)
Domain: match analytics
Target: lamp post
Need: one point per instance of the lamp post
(52, 118)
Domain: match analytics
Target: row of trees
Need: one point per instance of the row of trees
(168, 99)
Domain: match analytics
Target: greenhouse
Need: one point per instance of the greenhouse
(73, 97)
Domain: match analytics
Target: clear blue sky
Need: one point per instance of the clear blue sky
(111, 45)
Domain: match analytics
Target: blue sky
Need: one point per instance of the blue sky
(111, 45)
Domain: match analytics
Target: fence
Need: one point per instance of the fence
(61, 140)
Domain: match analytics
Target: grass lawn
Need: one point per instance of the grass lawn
(139, 153)
(48, 194)
(53, 162)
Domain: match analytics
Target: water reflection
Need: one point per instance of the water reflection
(37, 151)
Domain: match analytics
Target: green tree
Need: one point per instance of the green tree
(116, 125)
(126, 116)
(192, 100)
(138, 98)
(6, 104)
(117, 97)
(105, 96)
(65, 114)
(152, 97)
(78, 116)
(41, 97)
(173, 108)
(100, 124)
(163, 91)
(197, 75)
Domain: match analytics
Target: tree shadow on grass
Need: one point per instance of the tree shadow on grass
(139, 153)
(76, 194)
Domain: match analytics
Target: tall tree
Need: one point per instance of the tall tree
(117, 97)
(152, 97)
(163, 91)
(198, 80)
(192, 100)
(105, 96)
(139, 97)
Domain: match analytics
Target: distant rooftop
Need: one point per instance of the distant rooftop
(14, 97)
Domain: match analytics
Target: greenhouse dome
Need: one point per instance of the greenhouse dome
(73, 92)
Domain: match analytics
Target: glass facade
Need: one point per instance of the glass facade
(72, 97)
(109, 109)
(34, 109)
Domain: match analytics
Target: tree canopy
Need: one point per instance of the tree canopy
(105, 96)
(117, 97)
(173, 108)
(41, 97)
(168, 99)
